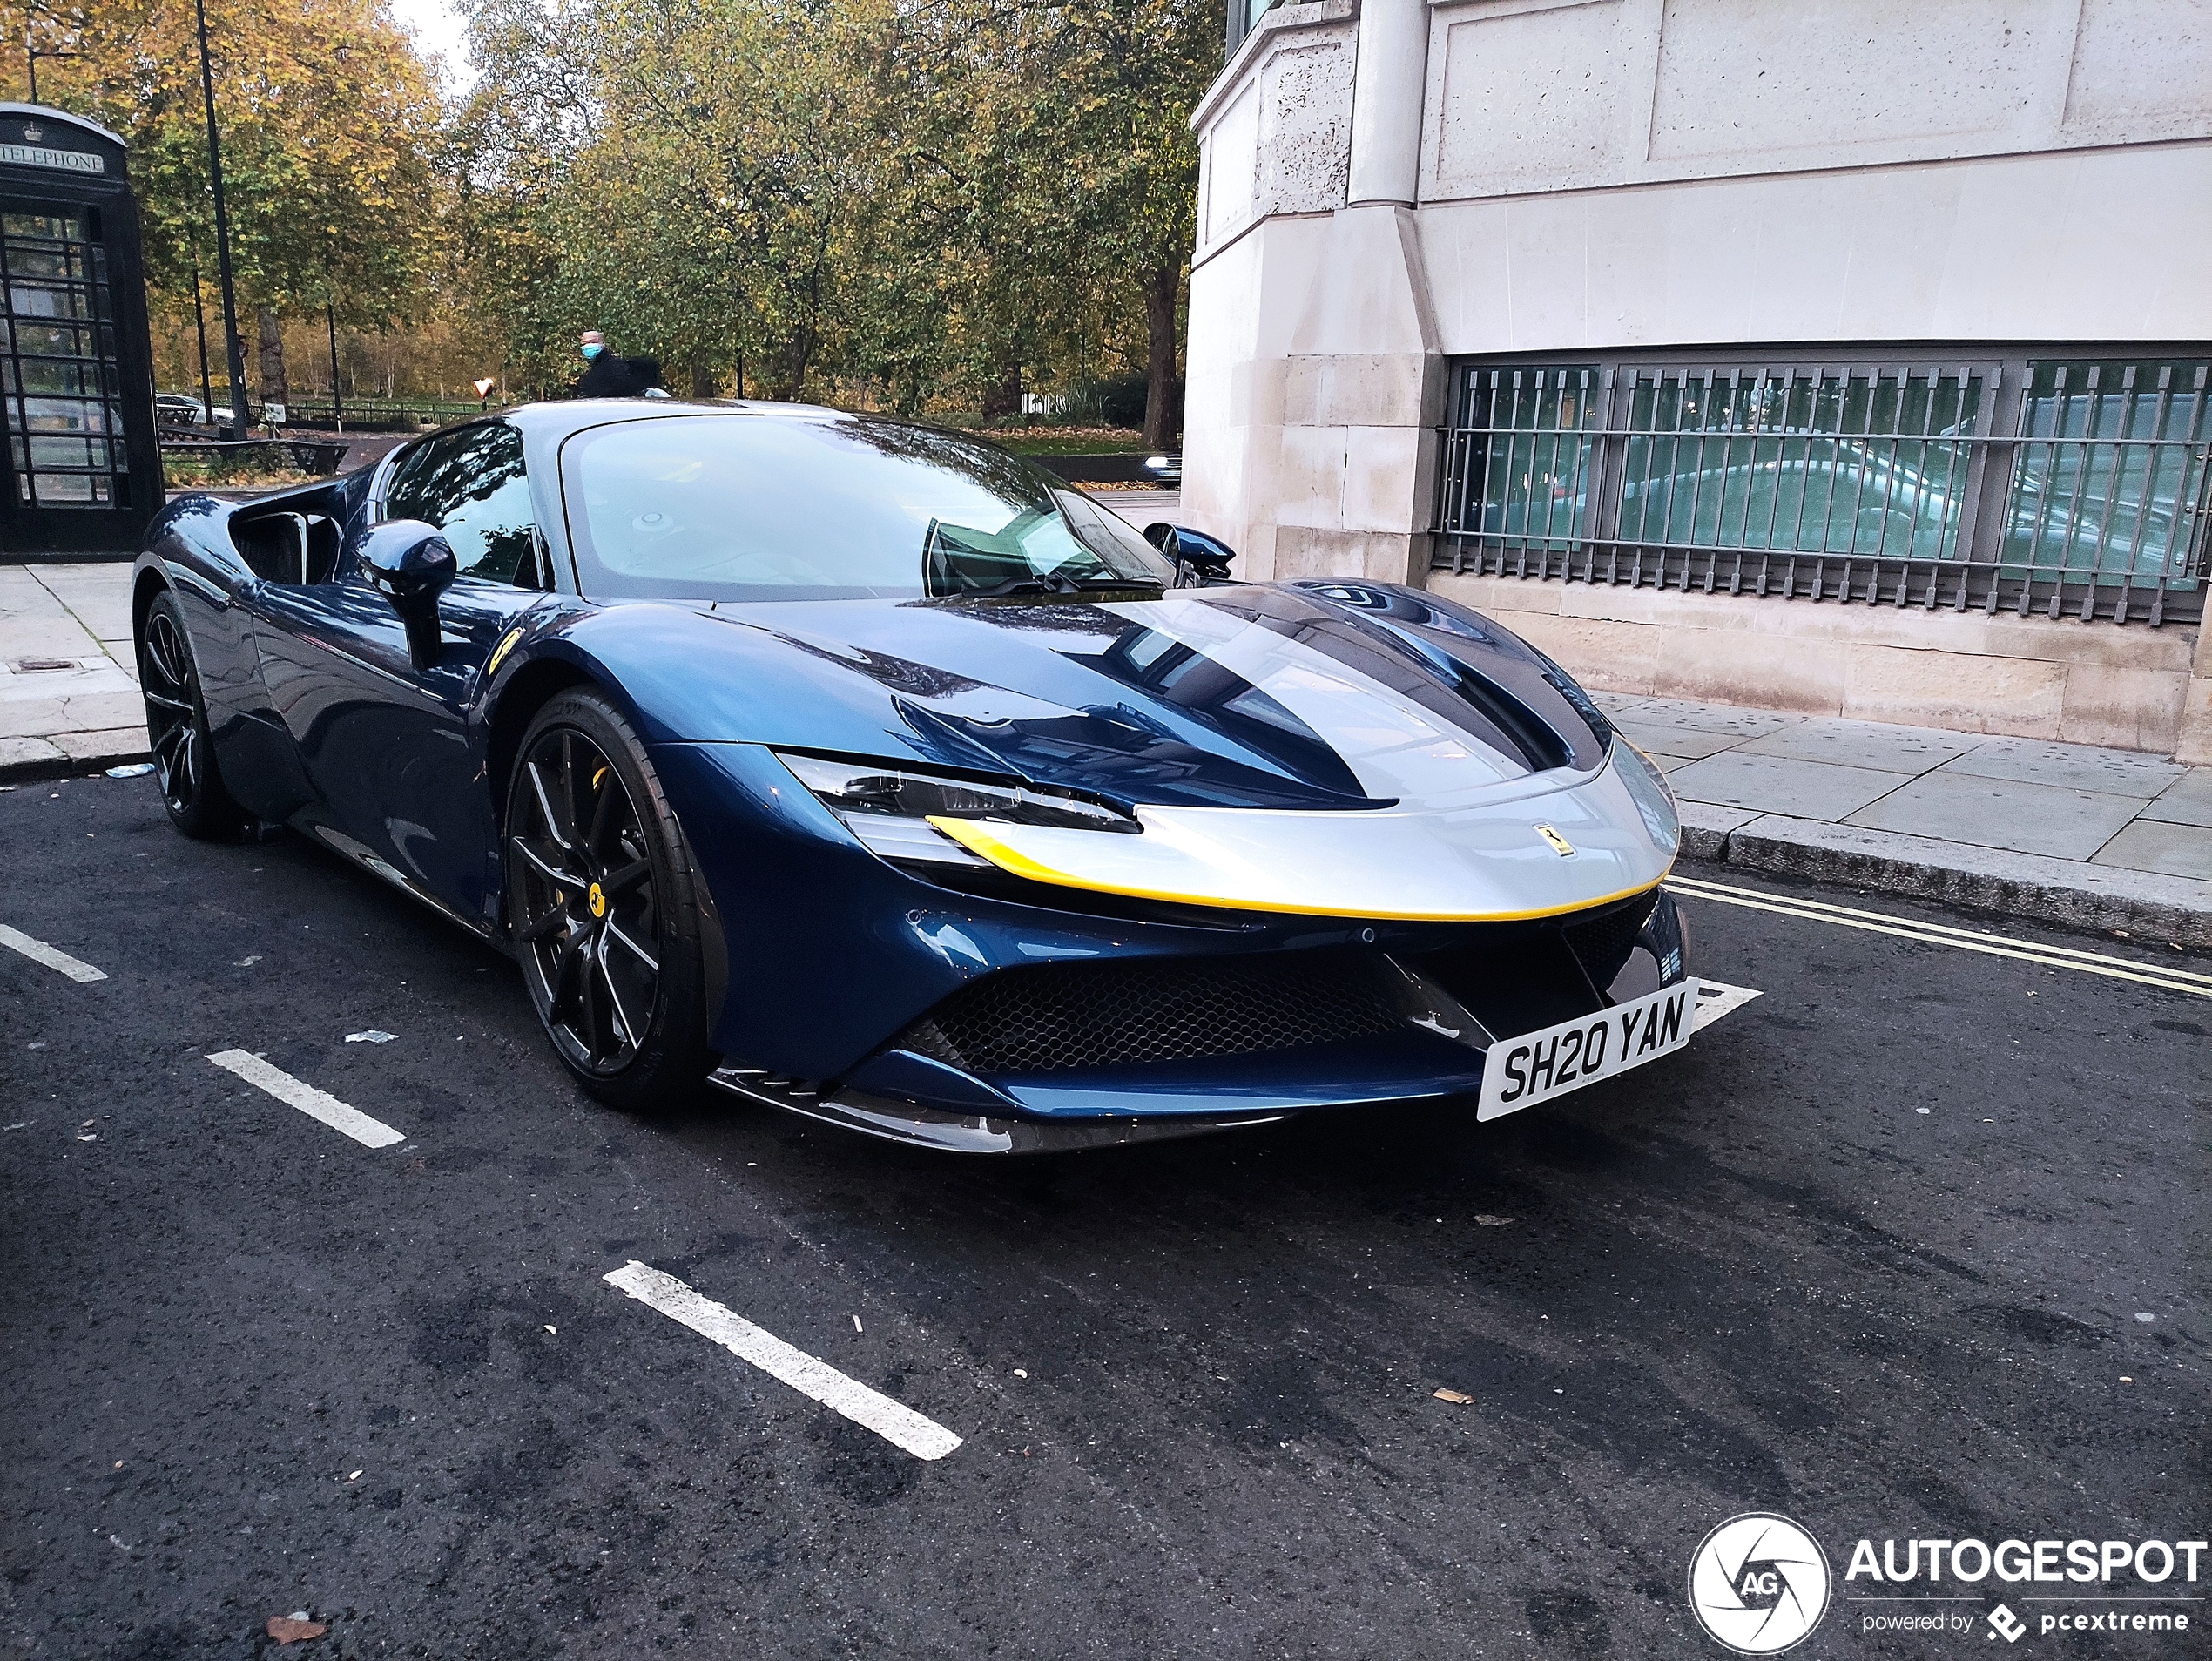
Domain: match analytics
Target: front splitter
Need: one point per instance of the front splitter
(925, 1127)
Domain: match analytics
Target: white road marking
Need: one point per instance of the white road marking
(351, 1121)
(1936, 934)
(1715, 999)
(896, 1423)
(40, 952)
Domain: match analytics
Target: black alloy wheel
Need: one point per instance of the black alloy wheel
(184, 760)
(601, 901)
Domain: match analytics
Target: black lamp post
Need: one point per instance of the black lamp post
(30, 52)
(234, 349)
(199, 322)
(337, 402)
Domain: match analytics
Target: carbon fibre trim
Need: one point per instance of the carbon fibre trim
(925, 1127)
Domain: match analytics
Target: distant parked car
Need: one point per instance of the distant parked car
(1166, 469)
(177, 409)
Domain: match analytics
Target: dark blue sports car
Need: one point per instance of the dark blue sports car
(866, 770)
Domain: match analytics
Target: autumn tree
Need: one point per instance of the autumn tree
(1054, 140)
(695, 202)
(331, 149)
(932, 196)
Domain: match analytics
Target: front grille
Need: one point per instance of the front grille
(1058, 1016)
(1604, 942)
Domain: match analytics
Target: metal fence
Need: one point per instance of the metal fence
(2059, 487)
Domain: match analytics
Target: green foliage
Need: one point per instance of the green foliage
(917, 204)
(931, 199)
(331, 138)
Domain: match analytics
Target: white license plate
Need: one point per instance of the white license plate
(1537, 1066)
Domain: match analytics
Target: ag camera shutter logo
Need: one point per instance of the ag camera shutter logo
(1758, 1583)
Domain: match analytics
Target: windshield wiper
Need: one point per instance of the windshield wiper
(1030, 584)
(1035, 584)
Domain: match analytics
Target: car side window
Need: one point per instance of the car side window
(471, 484)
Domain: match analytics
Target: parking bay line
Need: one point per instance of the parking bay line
(1715, 999)
(40, 952)
(896, 1423)
(350, 1121)
(2118, 968)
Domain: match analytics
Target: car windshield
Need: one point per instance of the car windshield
(738, 507)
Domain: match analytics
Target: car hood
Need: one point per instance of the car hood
(1341, 696)
(1341, 749)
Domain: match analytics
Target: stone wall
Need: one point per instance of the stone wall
(2124, 686)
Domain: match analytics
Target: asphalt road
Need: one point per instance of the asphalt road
(1874, 1252)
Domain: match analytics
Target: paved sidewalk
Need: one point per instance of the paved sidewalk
(69, 682)
(2101, 839)
(1140, 508)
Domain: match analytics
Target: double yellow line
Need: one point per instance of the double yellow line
(1936, 934)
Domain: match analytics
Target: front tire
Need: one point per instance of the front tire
(603, 906)
(176, 731)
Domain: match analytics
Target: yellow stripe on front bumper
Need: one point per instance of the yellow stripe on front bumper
(975, 835)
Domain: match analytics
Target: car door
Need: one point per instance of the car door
(383, 733)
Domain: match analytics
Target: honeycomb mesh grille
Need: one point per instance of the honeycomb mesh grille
(1603, 942)
(1056, 1016)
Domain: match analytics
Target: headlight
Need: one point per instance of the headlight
(1648, 786)
(889, 808)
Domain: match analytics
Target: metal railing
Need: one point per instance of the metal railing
(2059, 487)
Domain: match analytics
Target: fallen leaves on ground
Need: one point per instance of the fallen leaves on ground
(290, 1628)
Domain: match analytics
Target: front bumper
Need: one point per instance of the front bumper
(1450, 1006)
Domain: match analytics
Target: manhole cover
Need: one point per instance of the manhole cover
(40, 665)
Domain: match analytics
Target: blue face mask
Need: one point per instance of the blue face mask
(592, 351)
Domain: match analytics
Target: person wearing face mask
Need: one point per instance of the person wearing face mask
(609, 375)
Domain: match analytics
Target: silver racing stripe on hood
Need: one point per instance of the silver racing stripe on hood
(1398, 748)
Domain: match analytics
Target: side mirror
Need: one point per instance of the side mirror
(1207, 558)
(410, 564)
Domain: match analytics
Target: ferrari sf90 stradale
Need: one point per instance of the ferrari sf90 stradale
(864, 769)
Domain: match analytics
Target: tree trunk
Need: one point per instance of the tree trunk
(702, 376)
(1163, 401)
(1004, 400)
(275, 389)
(790, 381)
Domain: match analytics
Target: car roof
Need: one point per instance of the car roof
(554, 419)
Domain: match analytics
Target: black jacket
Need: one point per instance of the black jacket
(610, 376)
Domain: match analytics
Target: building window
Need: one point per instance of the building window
(2073, 486)
(2110, 474)
(1244, 18)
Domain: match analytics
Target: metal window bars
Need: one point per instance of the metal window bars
(2084, 492)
